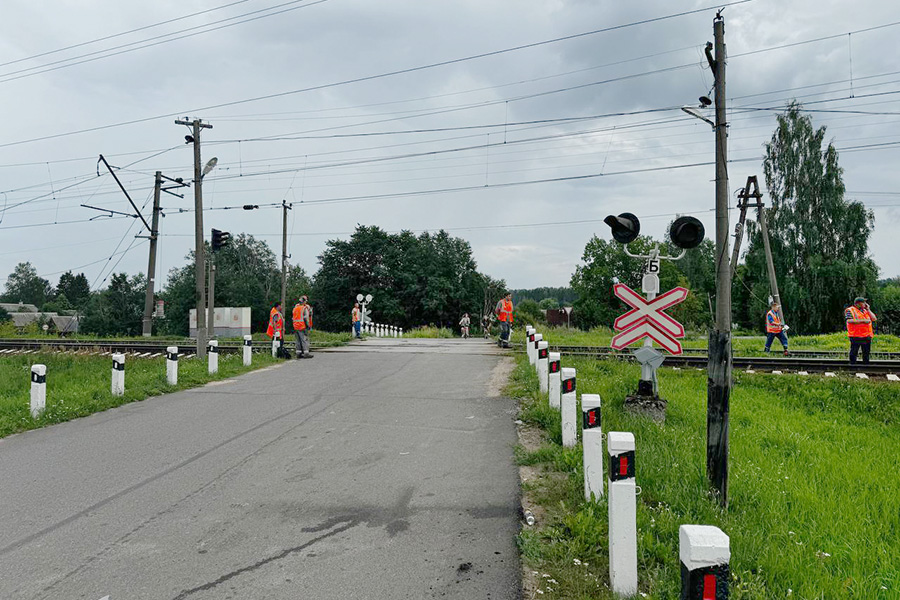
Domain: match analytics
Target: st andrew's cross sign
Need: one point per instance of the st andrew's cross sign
(646, 319)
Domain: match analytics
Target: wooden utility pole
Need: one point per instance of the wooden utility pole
(751, 190)
(284, 255)
(719, 350)
(199, 252)
(151, 265)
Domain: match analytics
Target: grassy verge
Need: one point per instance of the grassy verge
(430, 332)
(743, 345)
(813, 485)
(79, 385)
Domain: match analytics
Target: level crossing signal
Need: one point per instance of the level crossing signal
(220, 239)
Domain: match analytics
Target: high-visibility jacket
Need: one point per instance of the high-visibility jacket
(773, 323)
(858, 330)
(355, 315)
(276, 324)
(302, 315)
(505, 310)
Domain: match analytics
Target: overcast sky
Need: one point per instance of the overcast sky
(479, 115)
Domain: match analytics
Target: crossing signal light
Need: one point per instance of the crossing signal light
(219, 239)
(686, 232)
(625, 227)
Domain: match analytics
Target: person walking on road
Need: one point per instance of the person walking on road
(486, 326)
(775, 328)
(464, 325)
(504, 312)
(302, 318)
(356, 319)
(859, 319)
(276, 329)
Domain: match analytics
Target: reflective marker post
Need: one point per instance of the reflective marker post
(554, 378)
(274, 347)
(529, 344)
(38, 390)
(248, 350)
(534, 348)
(622, 514)
(118, 375)
(705, 553)
(172, 365)
(213, 356)
(543, 365)
(569, 407)
(592, 444)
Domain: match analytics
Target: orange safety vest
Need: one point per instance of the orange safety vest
(276, 324)
(298, 316)
(858, 330)
(773, 323)
(506, 311)
(355, 314)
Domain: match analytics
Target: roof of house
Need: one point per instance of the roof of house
(14, 307)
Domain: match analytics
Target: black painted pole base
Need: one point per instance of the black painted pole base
(646, 403)
(718, 397)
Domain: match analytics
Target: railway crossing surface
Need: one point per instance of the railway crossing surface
(385, 473)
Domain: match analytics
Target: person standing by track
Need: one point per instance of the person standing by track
(356, 319)
(859, 319)
(504, 312)
(775, 328)
(276, 329)
(302, 319)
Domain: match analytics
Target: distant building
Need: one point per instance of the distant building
(11, 307)
(228, 322)
(56, 323)
(558, 316)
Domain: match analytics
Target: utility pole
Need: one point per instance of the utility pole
(719, 350)
(284, 255)
(151, 266)
(199, 253)
(211, 301)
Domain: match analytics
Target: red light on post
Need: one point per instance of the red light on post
(554, 366)
(543, 353)
(568, 385)
(709, 587)
(623, 466)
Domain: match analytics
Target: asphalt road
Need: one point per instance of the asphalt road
(378, 474)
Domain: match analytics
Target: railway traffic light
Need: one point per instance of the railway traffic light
(219, 239)
(686, 232)
(625, 227)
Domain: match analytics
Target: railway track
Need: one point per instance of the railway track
(144, 348)
(796, 362)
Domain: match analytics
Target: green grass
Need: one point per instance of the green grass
(743, 345)
(430, 332)
(813, 471)
(79, 385)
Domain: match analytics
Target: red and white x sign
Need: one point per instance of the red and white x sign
(647, 319)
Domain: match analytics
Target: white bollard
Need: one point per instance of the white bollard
(118, 375)
(274, 347)
(622, 514)
(569, 402)
(529, 345)
(543, 365)
(172, 365)
(213, 354)
(393, 331)
(592, 444)
(705, 552)
(38, 390)
(554, 377)
(248, 350)
(401, 332)
(534, 348)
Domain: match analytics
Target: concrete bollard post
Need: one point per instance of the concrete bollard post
(213, 353)
(248, 350)
(118, 375)
(274, 347)
(569, 406)
(592, 445)
(543, 366)
(393, 331)
(401, 332)
(622, 514)
(534, 347)
(529, 345)
(172, 365)
(38, 390)
(554, 380)
(705, 552)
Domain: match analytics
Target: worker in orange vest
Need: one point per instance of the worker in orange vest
(859, 319)
(775, 328)
(276, 327)
(356, 320)
(302, 319)
(504, 312)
